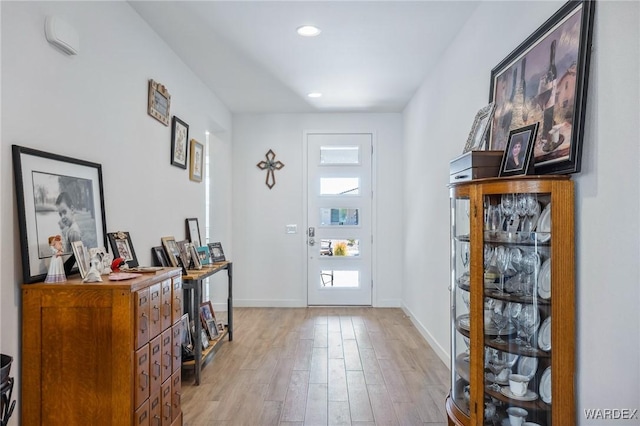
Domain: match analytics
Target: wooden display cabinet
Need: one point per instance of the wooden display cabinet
(102, 353)
(512, 270)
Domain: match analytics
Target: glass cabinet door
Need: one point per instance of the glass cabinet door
(517, 308)
(460, 303)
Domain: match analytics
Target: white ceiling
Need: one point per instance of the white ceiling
(370, 57)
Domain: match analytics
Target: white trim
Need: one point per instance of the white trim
(443, 354)
(267, 303)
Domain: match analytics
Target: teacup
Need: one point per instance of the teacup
(518, 384)
(517, 415)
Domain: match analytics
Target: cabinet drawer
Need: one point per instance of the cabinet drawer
(141, 416)
(165, 399)
(156, 364)
(176, 344)
(167, 355)
(167, 304)
(155, 409)
(176, 390)
(156, 303)
(177, 299)
(142, 317)
(141, 374)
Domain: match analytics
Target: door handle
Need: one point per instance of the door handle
(312, 241)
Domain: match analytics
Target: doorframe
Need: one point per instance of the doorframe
(374, 206)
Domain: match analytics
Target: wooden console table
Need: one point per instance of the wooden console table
(192, 284)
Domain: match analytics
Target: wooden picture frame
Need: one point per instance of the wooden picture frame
(478, 133)
(172, 251)
(544, 80)
(82, 257)
(517, 157)
(193, 231)
(160, 256)
(159, 102)
(56, 195)
(217, 254)
(185, 254)
(208, 318)
(179, 142)
(196, 162)
(121, 246)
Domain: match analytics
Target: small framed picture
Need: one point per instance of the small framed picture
(184, 254)
(195, 258)
(159, 102)
(160, 256)
(82, 257)
(196, 161)
(217, 255)
(179, 142)
(220, 326)
(172, 251)
(204, 254)
(121, 245)
(516, 159)
(185, 330)
(208, 318)
(204, 339)
(193, 231)
(478, 134)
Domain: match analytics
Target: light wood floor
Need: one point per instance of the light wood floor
(319, 366)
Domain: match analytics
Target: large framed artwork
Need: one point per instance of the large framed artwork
(544, 80)
(56, 195)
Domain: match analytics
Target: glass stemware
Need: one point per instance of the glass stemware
(503, 261)
(501, 319)
(507, 205)
(522, 210)
(530, 323)
(494, 220)
(533, 209)
(464, 256)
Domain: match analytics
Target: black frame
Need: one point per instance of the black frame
(217, 254)
(122, 237)
(193, 222)
(527, 136)
(558, 103)
(478, 134)
(70, 173)
(160, 256)
(175, 122)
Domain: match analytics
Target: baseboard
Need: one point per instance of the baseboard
(269, 303)
(443, 354)
(389, 303)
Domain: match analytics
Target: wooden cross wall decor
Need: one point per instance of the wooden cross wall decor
(270, 165)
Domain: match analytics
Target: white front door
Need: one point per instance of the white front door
(339, 218)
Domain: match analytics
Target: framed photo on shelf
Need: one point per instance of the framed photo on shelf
(121, 245)
(204, 255)
(478, 134)
(159, 102)
(193, 231)
(544, 80)
(208, 318)
(160, 256)
(185, 254)
(217, 255)
(56, 195)
(179, 142)
(185, 331)
(204, 338)
(196, 164)
(82, 257)
(516, 159)
(172, 251)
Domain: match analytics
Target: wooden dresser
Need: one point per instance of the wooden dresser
(104, 353)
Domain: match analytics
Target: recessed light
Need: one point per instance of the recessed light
(308, 31)
(315, 95)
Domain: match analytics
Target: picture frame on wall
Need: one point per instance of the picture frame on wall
(544, 80)
(517, 157)
(159, 102)
(478, 133)
(217, 254)
(179, 142)
(121, 246)
(56, 195)
(193, 231)
(196, 162)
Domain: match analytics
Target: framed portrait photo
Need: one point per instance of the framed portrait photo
(179, 142)
(204, 254)
(193, 231)
(478, 133)
(82, 257)
(208, 318)
(544, 80)
(122, 247)
(217, 255)
(517, 157)
(159, 102)
(160, 256)
(172, 251)
(56, 195)
(196, 163)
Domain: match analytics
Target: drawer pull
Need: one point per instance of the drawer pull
(461, 177)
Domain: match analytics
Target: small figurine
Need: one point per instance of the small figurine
(95, 268)
(56, 267)
(107, 258)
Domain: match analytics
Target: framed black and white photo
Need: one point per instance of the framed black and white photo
(544, 80)
(172, 251)
(217, 255)
(179, 142)
(121, 246)
(478, 133)
(185, 331)
(195, 257)
(82, 257)
(56, 195)
(193, 231)
(160, 256)
(517, 157)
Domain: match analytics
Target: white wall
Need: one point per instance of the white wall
(270, 263)
(94, 107)
(437, 123)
